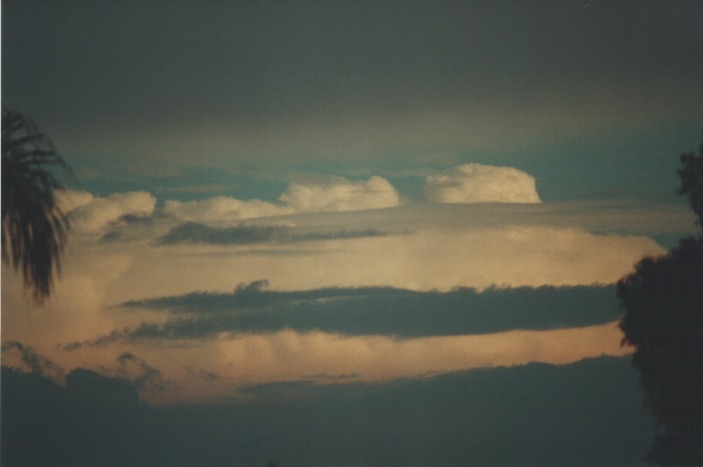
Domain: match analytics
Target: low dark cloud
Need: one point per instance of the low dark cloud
(193, 232)
(131, 227)
(92, 420)
(370, 311)
(588, 413)
(30, 360)
(140, 374)
(129, 368)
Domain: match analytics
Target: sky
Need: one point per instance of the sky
(345, 233)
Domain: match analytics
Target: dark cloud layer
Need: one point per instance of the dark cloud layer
(193, 232)
(371, 311)
(588, 413)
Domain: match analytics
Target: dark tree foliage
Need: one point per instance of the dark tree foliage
(663, 320)
(691, 175)
(33, 226)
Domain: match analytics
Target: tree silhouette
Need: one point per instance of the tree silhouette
(692, 181)
(33, 226)
(663, 320)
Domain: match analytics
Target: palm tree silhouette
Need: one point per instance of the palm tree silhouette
(34, 228)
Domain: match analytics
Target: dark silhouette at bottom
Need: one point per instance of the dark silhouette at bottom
(663, 320)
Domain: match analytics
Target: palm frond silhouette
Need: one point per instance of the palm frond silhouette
(34, 229)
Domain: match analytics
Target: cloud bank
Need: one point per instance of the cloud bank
(478, 183)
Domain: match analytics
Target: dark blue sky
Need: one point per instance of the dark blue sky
(594, 98)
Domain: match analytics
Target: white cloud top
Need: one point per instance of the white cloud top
(223, 209)
(320, 194)
(339, 194)
(477, 183)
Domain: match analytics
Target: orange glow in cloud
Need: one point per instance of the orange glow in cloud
(241, 361)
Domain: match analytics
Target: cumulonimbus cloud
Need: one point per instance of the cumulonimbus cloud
(478, 183)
